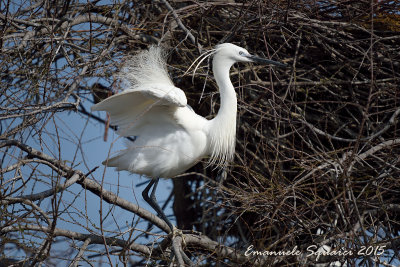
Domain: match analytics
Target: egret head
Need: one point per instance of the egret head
(233, 53)
(227, 54)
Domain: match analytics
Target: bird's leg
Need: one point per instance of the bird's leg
(151, 199)
(153, 203)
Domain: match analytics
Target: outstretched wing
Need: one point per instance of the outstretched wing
(132, 110)
(151, 95)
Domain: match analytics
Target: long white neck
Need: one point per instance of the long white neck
(222, 131)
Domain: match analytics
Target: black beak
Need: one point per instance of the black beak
(260, 60)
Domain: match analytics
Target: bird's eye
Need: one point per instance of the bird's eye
(241, 53)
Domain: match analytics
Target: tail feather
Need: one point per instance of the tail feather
(119, 161)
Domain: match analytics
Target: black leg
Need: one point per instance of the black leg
(153, 201)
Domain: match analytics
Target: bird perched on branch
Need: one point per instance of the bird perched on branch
(170, 136)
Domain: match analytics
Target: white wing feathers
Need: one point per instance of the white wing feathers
(151, 94)
(131, 110)
(165, 95)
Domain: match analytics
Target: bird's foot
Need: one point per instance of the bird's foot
(193, 232)
(177, 232)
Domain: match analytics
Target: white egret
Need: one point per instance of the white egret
(170, 136)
